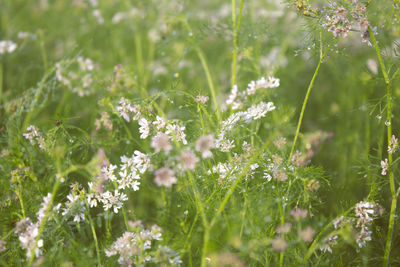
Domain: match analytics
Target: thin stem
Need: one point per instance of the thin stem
(321, 58)
(389, 238)
(19, 195)
(317, 239)
(206, 238)
(1, 82)
(235, 28)
(210, 81)
(94, 235)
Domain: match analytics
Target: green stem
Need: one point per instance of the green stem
(321, 58)
(94, 235)
(1, 82)
(388, 246)
(235, 28)
(206, 238)
(210, 81)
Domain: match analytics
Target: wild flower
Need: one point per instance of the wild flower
(35, 137)
(307, 234)
(234, 98)
(279, 175)
(159, 123)
(76, 75)
(188, 160)
(204, 145)
(385, 166)
(279, 244)
(284, 229)
(113, 201)
(2, 246)
(161, 142)
(144, 128)
(177, 132)
(299, 213)
(74, 207)
(44, 206)
(28, 239)
(138, 246)
(7, 46)
(328, 243)
(258, 111)
(201, 99)
(125, 109)
(364, 211)
(129, 179)
(393, 145)
(138, 161)
(253, 86)
(104, 121)
(165, 177)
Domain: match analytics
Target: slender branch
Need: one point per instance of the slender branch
(388, 246)
(322, 56)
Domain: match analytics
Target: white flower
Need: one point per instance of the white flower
(139, 161)
(45, 204)
(159, 123)
(177, 132)
(204, 145)
(165, 177)
(128, 180)
(108, 172)
(7, 47)
(144, 128)
(111, 201)
(74, 208)
(161, 142)
(393, 145)
(385, 166)
(188, 159)
(258, 111)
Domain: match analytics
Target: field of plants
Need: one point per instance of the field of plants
(199, 133)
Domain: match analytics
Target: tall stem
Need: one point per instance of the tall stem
(388, 123)
(235, 28)
(321, 58)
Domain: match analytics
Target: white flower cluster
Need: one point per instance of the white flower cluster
(128, 176)
(126, 109)
(35, 137)
(136, 246)
(253, 113)
(7, 46)
(270, 82)
(393, 145)
(174, 131)
(364, 211)
(28, 232)
(74, 207)
(236, 98)
(76, 75)
(275, 169)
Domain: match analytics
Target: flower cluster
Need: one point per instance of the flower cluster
(393, 145)
(28, 231)
(340, 20)
(7, 47)
(35, 137)
(137, 247)
(364, 211)
(125, 176)
(76, 75)
(236, 99)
